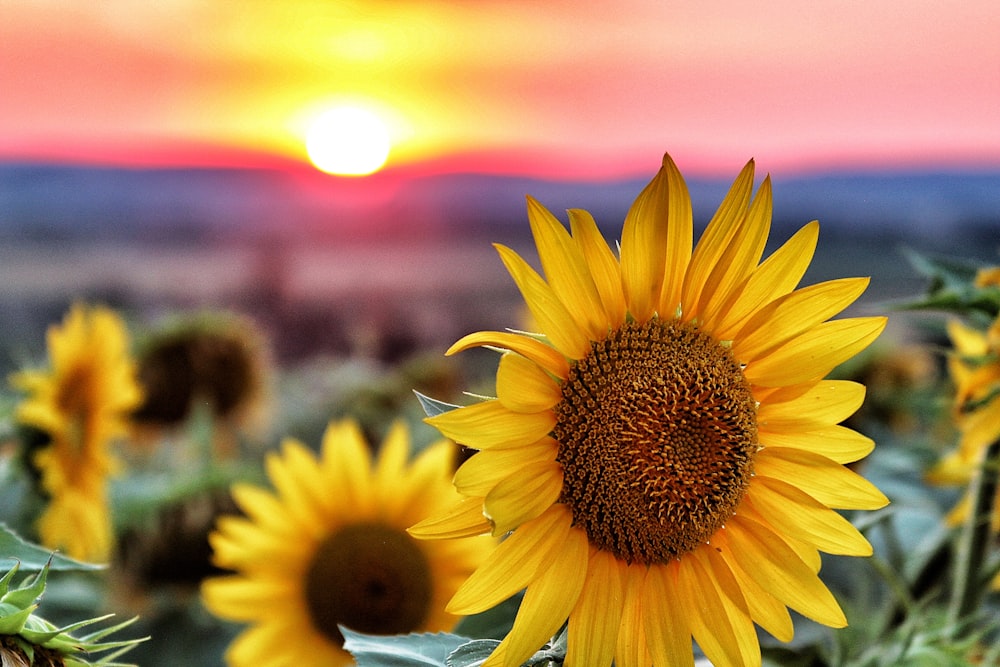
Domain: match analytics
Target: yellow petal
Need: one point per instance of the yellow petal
(740, 257)
(435, 462)
(967, 340)
(776, 276)
(765, 609)
(826, 403)
(566, 270)
(546, 308)
(837, 443)
(981, 427)
(523, 386)
(807, 553)
(718, 614)
(802, 517)
(813, 354)
(778, 570)
(347, 464)
(264, 509)
(240, 599)
(393, 454)
(830, 483)
(793, 314)
(305, 470)
(524, 495)
(483, 470)
(547, 602)
(645, 237)
(544, 355)
(513, 564)
(238, 543)
(271, 639)
(715, 239)
(602, 263)
(680, 237)
(463, 519)
(631, 651)
(594, 622)
(666, 611)
(489, 424)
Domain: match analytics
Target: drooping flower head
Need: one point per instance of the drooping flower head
(215, 360)
(666, 452)
(329, 547)
(80, 405)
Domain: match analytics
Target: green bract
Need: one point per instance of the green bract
(23, 635)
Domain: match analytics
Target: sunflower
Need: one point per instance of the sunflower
(219, 361)
(79, 406)
(330, 547)
(27, 639)
(974, 367)
(666, 452)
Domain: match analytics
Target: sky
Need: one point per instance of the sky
(578, 88)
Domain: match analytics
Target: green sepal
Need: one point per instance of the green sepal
(432, 406)
(28, 593)
(12, 619)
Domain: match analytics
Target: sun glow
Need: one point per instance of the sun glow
(348, 141)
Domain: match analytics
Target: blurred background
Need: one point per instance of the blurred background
(154, 155)
(334, 172)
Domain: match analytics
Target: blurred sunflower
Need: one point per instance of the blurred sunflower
(974, 366)
(79, 405)
(666, 452)
(219, 360)
(330, 548)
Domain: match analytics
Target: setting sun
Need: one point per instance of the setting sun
(348, 141)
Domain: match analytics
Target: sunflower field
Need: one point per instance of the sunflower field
(680, 438)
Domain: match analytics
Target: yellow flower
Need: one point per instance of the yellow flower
(667, 452)
(975, 369)
(330, 547)
(81, 404)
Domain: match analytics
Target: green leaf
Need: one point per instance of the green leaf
(34, 557)
(413, 650)
(494, 623)
(952, 287)
(433, 407)
(475, 653)
(472, 654)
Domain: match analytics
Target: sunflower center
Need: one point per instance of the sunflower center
(657, 430)
(74, 397)
(371, 578)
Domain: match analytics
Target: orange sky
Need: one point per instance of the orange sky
(591, 88)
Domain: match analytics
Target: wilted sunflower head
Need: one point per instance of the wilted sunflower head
(329, 547)
(666, 450)
(169, 549)
(72, 412)
(221, 361)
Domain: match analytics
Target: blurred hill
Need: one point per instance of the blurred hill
(399, 261)
(65, 202)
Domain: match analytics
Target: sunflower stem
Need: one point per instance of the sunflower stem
(974, 539)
